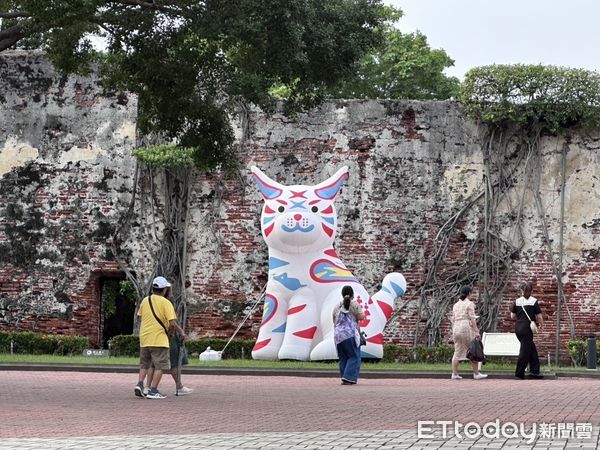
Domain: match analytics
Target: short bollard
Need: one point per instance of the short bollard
(591, 353)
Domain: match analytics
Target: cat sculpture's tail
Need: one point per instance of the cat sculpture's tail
(378, 310)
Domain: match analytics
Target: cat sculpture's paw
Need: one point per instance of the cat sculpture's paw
(324, 351)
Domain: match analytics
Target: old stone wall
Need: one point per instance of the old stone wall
(412, 165)
(65, 179)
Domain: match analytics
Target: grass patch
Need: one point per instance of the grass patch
(57, 359)
(251, 364)
(240, 363)
(406, 367)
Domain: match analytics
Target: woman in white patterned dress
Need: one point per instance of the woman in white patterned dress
(464, 330)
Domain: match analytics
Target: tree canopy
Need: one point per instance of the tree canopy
(188, 60)
(405, 66)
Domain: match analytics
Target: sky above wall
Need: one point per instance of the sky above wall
(482, 32)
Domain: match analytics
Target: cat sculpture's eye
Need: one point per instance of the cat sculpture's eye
(281, 209)
(314, 209)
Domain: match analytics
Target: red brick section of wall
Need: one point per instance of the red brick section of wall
(82, 316)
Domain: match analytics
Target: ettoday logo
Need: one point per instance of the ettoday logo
(429, 429)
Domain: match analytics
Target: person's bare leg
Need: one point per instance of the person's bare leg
(156, 378)
(142, 375)
(455, 362)
(475, 365)
(150, 376)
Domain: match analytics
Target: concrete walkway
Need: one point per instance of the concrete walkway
(49, 410)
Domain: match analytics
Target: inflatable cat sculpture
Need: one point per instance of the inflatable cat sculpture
(306, 275)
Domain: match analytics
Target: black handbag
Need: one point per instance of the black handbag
(363, 338)
(475, 352)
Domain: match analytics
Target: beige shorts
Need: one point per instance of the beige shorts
(155, 356)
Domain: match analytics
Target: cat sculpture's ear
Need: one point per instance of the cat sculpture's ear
(329, 188)
(269, 188)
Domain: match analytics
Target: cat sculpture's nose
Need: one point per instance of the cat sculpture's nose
(298, 217)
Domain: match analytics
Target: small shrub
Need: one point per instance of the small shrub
(240, 347)
(5, 342)
(125, 345)
(43, 344)
(578, 351)
(423, 354)
(31, 343)
(438, 354)
(396, 353)
(70, 345)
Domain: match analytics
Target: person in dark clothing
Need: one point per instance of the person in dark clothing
(526, 309)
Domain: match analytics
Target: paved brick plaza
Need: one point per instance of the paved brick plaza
(96, 410)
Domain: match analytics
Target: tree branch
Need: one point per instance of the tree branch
(11, 36)
(148, 5)
(14, 14)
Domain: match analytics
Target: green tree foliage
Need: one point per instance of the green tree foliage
(404, 67)
(553, 97)
(111, 289)
(166, 156)
(189, 59)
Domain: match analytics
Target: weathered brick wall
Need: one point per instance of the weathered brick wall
(412, 165)
(65, 178)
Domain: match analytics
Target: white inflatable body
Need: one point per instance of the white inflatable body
(306, 275)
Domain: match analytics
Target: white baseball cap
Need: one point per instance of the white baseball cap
(160, 283)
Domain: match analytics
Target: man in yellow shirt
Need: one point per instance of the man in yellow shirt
(158, 318)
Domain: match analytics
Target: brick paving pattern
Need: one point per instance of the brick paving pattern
(397, 439)
(51, 410)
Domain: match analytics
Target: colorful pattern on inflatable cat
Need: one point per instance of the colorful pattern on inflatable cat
(306, 275)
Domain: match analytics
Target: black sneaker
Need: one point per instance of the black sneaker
(139, 390)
